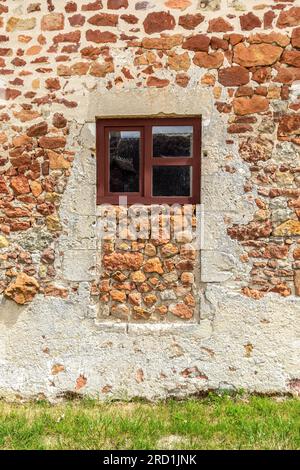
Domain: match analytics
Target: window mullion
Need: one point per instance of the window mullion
(178, 161)
(197, 144)
(101, 156)
(147, 162)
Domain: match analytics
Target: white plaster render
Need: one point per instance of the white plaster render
(111, 355)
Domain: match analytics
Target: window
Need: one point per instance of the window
(149, 160)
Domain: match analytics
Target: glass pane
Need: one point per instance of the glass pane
(172, 141)
(172, 180)
(124, 154)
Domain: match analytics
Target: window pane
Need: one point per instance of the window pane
(124, 154)
(172, 141)
(172, 180)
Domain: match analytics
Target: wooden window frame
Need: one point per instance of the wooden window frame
(148, 161)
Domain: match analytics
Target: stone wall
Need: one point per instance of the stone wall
(232, 320)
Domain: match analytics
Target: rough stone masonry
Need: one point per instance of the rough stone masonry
(140, 318)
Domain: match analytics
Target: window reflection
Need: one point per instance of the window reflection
(124, 152)
(172, 141)
(172, 180)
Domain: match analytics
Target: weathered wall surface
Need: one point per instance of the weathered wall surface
(62, 64)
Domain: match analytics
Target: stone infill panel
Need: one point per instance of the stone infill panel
(149, 264)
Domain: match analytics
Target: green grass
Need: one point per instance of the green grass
(215, 422)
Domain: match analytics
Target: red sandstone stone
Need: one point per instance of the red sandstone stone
(59, 121)
(287, 75)
(11, 93)
(126, 72)
(289, 125)
(118, 295)
(26, 115)
(71, 7)
(34, 50)
(157, 82)
(249, 21)
(74, 36)
(233, 76)
(278, 39)
(70, 48)
(256, 54)
(255, 149)
(296, 38)
(288, 18)
(239, 128)
(158, 21)
(15, 212)
(77, 20)
(182, 80)
(18, 62)
(219, 25)
(234, 38)
(223, 107)
(282, 289)
(218, 43)
(178, 4)
(101, 70)
(52, 142)
(17, 225)
(275, 251)
(23, 289)
(51, 7)
(130, 19)
(252, 231)
(132, 40)
(209, 61)
(190, 21)
(181, 310)
(97, 5)
(296, 253)
(21, 140)
(291, 58)
(117, 4)
(285, 92)
(120, 261)
(268, 19)
(6, 51)
(80, 68)
(104, 19)
(20, 184)
(52, 22)
(37, 129)
(52, 84)
(3, 186)
(197, 43)
(90, 52)
(261, 90)
(244, 91)
(179, 62)
(164, 43)
(100, 37)
(262, 74)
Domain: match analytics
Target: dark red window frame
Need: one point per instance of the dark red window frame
(148, 161)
